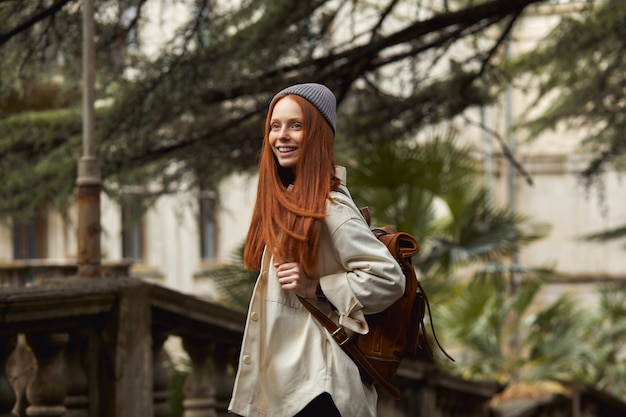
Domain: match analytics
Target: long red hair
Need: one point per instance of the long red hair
(287, 218)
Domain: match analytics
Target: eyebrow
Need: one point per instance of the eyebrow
(290, 119)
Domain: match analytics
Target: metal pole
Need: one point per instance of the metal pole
(488, 161)
(88, 183)
(516, 278)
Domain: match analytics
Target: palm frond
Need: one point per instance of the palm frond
(607, 235)
(233, 281)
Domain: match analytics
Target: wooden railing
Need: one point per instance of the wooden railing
(94, 348)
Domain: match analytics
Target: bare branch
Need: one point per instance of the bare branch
(506, 151)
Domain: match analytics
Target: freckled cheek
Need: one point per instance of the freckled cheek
(271, 140)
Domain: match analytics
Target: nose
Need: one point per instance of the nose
(284, 133)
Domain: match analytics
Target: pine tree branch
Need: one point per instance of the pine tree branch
(32, 20)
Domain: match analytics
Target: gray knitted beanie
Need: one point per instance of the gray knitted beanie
(318, 95)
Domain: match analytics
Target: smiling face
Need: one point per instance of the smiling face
(286, 132)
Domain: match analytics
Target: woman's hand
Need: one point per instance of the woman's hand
(292, 277)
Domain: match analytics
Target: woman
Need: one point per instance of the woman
(307, 238)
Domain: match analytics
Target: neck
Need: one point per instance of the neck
(286, 175)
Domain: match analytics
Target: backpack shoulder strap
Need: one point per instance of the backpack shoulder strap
(347, 344)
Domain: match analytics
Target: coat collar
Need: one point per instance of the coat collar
(341, 173)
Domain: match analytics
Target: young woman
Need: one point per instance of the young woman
(307, 238)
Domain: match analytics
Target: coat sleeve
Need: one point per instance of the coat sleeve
(367, 279)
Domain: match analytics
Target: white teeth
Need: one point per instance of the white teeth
(284, 149)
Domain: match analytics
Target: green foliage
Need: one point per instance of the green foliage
(579, 76)
(432, 190)
(47, 179)
(401, 181)
(177, 396)
(505, 335)
(606, 363)
(484, 319)
(607, 235)
(234, 282)
(555, 341)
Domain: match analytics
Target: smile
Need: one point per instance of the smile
(286, 149)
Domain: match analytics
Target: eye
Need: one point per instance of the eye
(275, 126)
(296, 125)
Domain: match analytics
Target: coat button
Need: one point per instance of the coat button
(247, 359)
(254, 316)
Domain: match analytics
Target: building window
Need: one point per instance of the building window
(133, 227)
(30, 236)
(208, 225)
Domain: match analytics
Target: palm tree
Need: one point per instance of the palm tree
(234, 283)
(605, 362)
(485, 318)
(433, 190)
(562, 341)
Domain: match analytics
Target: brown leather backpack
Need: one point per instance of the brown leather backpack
(396, 333)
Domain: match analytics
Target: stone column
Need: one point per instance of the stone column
(223, 359)
(161, 378)
(46, 391)
(126, 383)
(198, 389)
(7, 395)
(77, 399)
